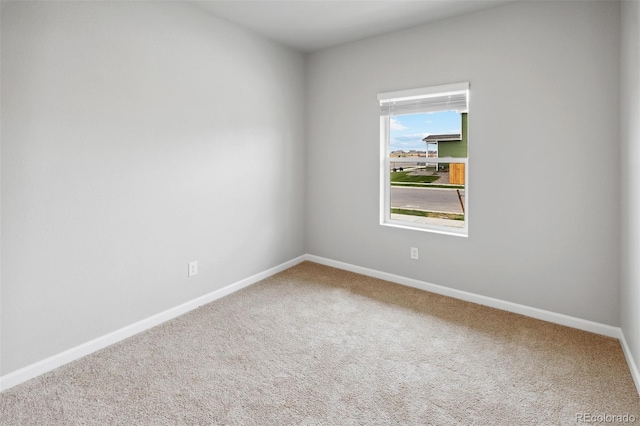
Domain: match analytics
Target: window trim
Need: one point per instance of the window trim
(424, 92)
(385, 162)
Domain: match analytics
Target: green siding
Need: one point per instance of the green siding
(455, 149)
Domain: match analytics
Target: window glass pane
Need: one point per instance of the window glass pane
(436, 135)
(432, 194)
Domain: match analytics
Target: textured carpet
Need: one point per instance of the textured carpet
(316, 345)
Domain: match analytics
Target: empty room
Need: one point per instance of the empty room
(319, 212)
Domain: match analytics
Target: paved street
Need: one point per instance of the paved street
(434, 199)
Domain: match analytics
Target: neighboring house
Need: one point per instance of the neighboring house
(450, 145)
(401, 153)
(404, 154)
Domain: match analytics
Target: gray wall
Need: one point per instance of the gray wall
(630, 185)
(137, 137)
(543, 148)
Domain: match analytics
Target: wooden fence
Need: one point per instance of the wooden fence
(456, 173)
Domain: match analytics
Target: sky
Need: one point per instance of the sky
(407, 131)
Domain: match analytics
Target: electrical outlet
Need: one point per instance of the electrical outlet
(414, 253)
(193, 268)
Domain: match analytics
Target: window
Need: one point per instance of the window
(424, 159)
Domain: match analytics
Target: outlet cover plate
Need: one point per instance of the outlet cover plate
(193, 268)
(414, 253)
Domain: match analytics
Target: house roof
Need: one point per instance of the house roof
(443, 138)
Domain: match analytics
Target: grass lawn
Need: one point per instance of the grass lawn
(405, 177)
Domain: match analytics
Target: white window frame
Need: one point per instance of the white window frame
(385, 161)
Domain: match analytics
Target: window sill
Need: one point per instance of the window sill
(461, 232)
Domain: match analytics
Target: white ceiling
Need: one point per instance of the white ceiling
(309, 25)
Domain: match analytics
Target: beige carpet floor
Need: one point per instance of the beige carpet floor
(315, 345)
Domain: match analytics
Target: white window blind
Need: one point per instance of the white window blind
(429, 99)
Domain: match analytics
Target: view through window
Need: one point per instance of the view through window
(425, 158)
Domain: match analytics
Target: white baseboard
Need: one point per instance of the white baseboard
(528, 311)
(48, 364)
(633, 367)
